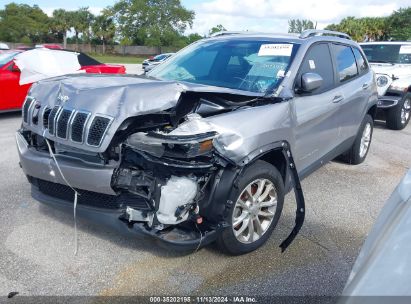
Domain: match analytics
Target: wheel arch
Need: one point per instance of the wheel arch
(372, 111)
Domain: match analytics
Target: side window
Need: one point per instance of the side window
(346, 65)
(361, 62)
(318, 60)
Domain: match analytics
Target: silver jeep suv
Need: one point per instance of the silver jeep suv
(205, 146)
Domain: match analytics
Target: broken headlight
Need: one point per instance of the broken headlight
(192, 138)
(176, 146)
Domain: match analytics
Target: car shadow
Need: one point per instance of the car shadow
(10, 115)
(130, 240)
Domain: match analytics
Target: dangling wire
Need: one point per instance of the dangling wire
(76, 194)
(201, 239)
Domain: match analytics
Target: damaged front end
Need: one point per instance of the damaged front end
(164, 169)
(174, 174)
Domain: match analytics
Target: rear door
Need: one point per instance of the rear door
(354, 84)
(316, 130)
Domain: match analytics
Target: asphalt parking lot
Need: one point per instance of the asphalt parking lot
(37, 242)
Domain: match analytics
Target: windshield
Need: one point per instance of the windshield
(6, 57)
(388, 53)
(255, 66)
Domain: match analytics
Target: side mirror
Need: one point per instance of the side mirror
(310, 82)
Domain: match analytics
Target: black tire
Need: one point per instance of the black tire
(353, 156)
(227, 240)
(394, 120)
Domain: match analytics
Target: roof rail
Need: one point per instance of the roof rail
(312, 33)
(224, 33)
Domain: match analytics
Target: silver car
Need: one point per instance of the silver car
(205, 147)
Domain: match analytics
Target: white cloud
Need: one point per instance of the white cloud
(273, 15)
(92, 9)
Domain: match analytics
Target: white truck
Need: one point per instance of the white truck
(391, 62)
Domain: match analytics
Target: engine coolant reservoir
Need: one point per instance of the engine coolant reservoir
(178, 191)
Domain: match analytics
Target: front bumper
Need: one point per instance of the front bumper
(82, 175)
(385, 102)
(97, 201)
(176, 238)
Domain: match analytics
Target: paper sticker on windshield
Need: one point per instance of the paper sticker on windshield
(405, 49)
(275, 50)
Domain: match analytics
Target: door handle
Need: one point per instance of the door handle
(337, 99)
(365, 86)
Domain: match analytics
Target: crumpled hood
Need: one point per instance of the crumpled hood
(111, 95)
(114, 96)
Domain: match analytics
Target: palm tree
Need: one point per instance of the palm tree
(62, 21)
(82, 20)
(104, 28)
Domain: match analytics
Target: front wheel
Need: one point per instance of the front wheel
(399, 116)
(256, 209)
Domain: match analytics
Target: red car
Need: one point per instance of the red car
(12, 94)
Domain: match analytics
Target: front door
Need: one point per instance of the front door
(316, 130)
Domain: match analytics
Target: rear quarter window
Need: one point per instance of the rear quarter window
(361, 62)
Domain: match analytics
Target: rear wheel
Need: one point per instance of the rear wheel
(359, 150)
(256, 209)
(399, 116)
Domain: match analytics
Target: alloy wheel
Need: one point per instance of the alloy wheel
(365, 140)
(254, 211)
(405, 111)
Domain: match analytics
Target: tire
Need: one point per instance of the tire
(258, 176)
(356, 155)
(399, 116)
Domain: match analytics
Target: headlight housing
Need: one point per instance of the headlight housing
(191, 139)
(382, 81)
(174, 146)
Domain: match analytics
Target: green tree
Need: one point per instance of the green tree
(18, 21)
(399, 24)
(216, 29)
(151, 22)
(82, 20)
(193, 38)
(104, 28)
(62, 21)
(360, 29)
(298, 26)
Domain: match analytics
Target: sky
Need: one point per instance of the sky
(252, 15)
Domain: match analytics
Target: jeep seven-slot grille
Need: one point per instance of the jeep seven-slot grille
(52, 117)
(90, 198)
(62, 123)
(69, 124)
(97, 129)
(46, 117)
(26, 108)
(77, 127)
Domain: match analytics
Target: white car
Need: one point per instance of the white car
(151, 63)
(4, 46)
(391, 61)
